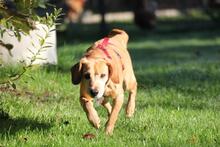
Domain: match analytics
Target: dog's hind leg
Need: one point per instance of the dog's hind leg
(132, 88)
(107, 105)
(91, 113)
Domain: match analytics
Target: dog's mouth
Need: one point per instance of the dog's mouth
(98, 97)
(96, 94)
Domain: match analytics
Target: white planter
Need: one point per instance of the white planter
(20, 48)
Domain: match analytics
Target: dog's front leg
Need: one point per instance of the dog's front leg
(91, 113)
(118, 101)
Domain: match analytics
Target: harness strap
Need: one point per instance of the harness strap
(103, 45)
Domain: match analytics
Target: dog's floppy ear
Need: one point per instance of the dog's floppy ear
(120, 34)
(76, 73)
(113, 73)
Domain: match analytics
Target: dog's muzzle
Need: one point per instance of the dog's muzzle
(94, 92)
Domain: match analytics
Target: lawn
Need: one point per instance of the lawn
(178, 102)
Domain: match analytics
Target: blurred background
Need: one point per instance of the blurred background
(143, 14)
(88, 20)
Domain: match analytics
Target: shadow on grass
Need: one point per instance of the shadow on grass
(10, 126)
(190, 81)
(175, 55)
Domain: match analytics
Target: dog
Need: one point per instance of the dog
(106, 71)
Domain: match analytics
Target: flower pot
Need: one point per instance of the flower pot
(28, 45)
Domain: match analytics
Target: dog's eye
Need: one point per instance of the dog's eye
(87, 76)
(102, 75)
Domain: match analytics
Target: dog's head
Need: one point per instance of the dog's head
(93, 74)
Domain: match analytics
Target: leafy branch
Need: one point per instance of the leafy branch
(50, 20)
(20, 16)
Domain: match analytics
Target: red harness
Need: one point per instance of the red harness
(103, 45)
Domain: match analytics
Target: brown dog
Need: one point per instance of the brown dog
(106, 71)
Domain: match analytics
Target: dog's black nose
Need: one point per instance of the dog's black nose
(94, 92)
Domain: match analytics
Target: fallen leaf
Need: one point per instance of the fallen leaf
(88, 136)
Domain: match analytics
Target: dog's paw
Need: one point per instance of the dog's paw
(96, 123)
(109, 130)
(94, 120)
(129, 113)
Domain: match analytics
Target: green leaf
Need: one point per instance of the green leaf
(42, 41)
(31, 51)
(39, 58)
(47, 46)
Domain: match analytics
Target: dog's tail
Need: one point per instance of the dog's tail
(119, 35)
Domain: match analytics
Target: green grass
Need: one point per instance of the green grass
(178, 102)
